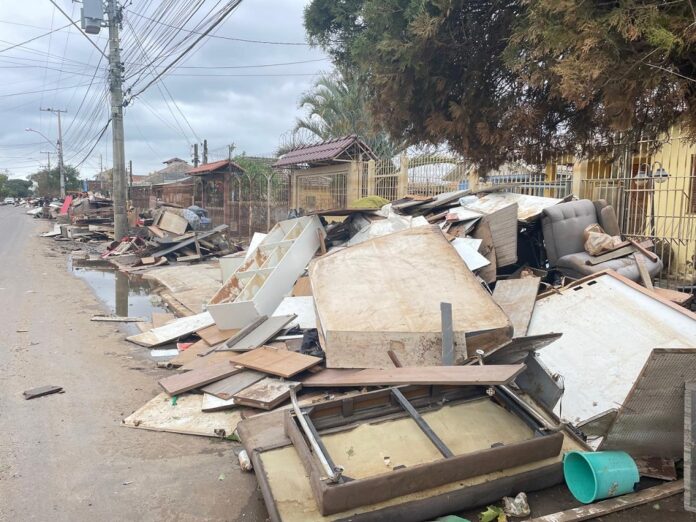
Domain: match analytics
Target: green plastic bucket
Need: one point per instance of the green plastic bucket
(592, 476)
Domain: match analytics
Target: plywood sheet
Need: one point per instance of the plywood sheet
(385, 294)
(172, 223)
(226, 388)
(185, 416)
(172, 331)
(282, 363)
(516, 297)
(610, 325)
(650, 423)
(493, 374)
(259, 335)
(267, 393)
(183, 382)
(213, 335)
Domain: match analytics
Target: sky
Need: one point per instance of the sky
(226, 90)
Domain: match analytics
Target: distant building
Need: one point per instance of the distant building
(175, 169)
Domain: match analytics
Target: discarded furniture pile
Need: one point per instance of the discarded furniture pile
(397, 363)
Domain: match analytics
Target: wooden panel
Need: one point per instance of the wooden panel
(302, 287)
(210, 359)
(213, 403)
(183, 382)
(173, 223)
(259, 335)
(444, 375)
(191, 353)
(227, 387)
(516, 297)
(172, 331)
(282, 363)
(612, 505)
(266, 394)
(213, 335)
(160, 319)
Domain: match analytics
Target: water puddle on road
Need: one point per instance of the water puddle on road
(121, 294)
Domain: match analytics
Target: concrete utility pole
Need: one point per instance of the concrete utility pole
(48, 158)
(205, 152)
(61, 165)
(195, 155)
(116, 88)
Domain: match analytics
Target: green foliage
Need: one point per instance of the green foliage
(16, 188)
(48, 181)
(3, 180)
(503, 80)
(337, 106)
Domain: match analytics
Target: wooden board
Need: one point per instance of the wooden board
(226, 388)
(172, 331)
(487, 250)
(266, 394)
(213, 335)
(173, 223)
(210, 359)
(213, 403)
(282, 363)
(680, 298)
(303, 287)
(183, 382)
(156, 231)
(516, 297)
(161, 318)
(186, 416)
(445, 375)
(612, 505)
(191, 353)
(41, 391)
(259, 335)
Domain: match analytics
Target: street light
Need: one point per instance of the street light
(60, 159)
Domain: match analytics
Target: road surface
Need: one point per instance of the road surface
(65, 457)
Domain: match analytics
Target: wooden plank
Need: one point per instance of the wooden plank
(172, 331)
(156, 231)
(184, 382)
(487, 250)
(643, 271)
(212, 403)
(161, 318)
(516, 297)
(303, 287)
(267, 393)
(657, 467)
(207, 360)
(192, 352)
(647, 253)
(259, 335)
(117, 319)
(171, 222)
(41, 391)
(680, 298)
(613, 505)
(189, 241)
(226, 388)
(444, 375)
(213, 335)
(614, 254)
(282, 363)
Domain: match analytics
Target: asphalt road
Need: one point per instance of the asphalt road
(65, 457)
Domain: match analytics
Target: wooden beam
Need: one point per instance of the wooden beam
(613, 505)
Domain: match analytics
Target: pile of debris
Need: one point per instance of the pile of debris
(370, 372)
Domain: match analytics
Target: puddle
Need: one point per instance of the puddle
(122, 295)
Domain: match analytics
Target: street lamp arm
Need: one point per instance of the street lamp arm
(43, 136)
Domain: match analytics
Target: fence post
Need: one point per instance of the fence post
(371, 172)
(579, 176)
(353, 183)
(403, 176)
(268, 202)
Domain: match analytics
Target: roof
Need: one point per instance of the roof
(207, 168)
(174, 160)
(327, 150)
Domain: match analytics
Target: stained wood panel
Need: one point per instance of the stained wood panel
(516, 297)
(183, 382)
(282, 363)
(444, 375)
(213, 335)
(266, 394)
(227, 387)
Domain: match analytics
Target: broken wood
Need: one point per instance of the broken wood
(183, 382)
(282, 363)
(613, 505)
(41, 391)
(445, 375)
(647, 253)
(172, 331)
(516, 297)
(643, 271)
(213, 335)
(267, 393)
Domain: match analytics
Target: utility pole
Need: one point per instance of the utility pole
(61, 166)
(195, 155)
(205, 152)
(116, 88)
(48, 158)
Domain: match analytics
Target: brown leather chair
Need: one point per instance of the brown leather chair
(563, 226)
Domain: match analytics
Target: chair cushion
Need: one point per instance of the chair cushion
(563, 226)
(573, 265)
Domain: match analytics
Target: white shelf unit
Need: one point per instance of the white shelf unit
(259, 285)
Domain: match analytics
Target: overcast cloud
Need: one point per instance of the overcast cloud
(251, 111)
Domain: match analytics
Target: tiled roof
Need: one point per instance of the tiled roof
(211, 167)
(327, 150)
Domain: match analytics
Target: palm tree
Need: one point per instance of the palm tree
(337, 106)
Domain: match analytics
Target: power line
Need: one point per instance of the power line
(225, 37)
(35, 38)
(75, 24)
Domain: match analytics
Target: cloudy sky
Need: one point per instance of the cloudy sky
(226, 91)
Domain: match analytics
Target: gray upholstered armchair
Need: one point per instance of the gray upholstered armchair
(563, 227)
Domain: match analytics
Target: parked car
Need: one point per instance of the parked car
(8, 201)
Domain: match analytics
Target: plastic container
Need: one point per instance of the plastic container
(592, 476)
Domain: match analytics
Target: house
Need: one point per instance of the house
(175, 169)
(328, 175)
(216, 186)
